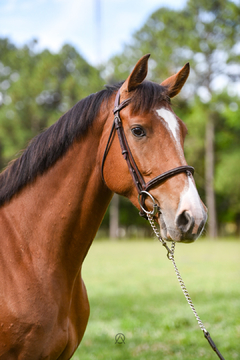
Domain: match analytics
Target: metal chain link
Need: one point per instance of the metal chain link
(157, 233)
(184, 290)
(170, 256)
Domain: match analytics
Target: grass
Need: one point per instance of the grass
(132, 289)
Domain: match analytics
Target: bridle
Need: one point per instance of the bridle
(142, 187)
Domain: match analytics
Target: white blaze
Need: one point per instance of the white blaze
(170, 120)
(189, 198)
(171, 123)
(190, 202)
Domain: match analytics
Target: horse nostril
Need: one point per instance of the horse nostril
(185, 222)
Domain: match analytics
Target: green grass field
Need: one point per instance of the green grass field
(133, 289)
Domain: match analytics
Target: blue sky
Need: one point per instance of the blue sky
(55, 22)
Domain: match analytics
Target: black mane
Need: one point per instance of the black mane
(49, 146)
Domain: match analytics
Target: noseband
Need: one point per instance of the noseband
(138, 180)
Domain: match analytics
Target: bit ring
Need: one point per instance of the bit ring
(155, 209)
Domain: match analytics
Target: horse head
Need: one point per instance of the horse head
(152, 142)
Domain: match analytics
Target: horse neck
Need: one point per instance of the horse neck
(58, 215)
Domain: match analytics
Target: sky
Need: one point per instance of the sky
(98, 29)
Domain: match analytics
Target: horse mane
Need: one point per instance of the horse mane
(50, 145)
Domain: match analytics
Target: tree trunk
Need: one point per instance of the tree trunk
(209, 179)
(237, 220)
(1, 156)
(113, 217)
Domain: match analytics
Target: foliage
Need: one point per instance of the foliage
(228, 155)
(36, 89)
(133, 290)
(204, 33)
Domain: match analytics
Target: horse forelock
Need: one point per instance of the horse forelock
(148, 96)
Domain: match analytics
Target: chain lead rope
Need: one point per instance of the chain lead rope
(170, 255)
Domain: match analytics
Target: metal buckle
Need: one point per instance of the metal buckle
(155, 209)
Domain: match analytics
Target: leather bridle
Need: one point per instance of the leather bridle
(138, 180)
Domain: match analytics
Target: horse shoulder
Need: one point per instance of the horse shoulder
(33, 307)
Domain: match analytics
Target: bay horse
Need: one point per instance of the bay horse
(54, 196)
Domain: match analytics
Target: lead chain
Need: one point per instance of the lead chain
(170, 256)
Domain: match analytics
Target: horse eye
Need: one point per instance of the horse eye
(138, 131)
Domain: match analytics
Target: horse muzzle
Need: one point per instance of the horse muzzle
(186, 228)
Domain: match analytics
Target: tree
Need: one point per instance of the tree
(36, 89)
(227, 177)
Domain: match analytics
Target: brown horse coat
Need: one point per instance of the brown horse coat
(52, 201)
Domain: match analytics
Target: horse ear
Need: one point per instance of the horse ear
(137, 75)
(175, 82)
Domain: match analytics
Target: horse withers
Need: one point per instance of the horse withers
(53, 199)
